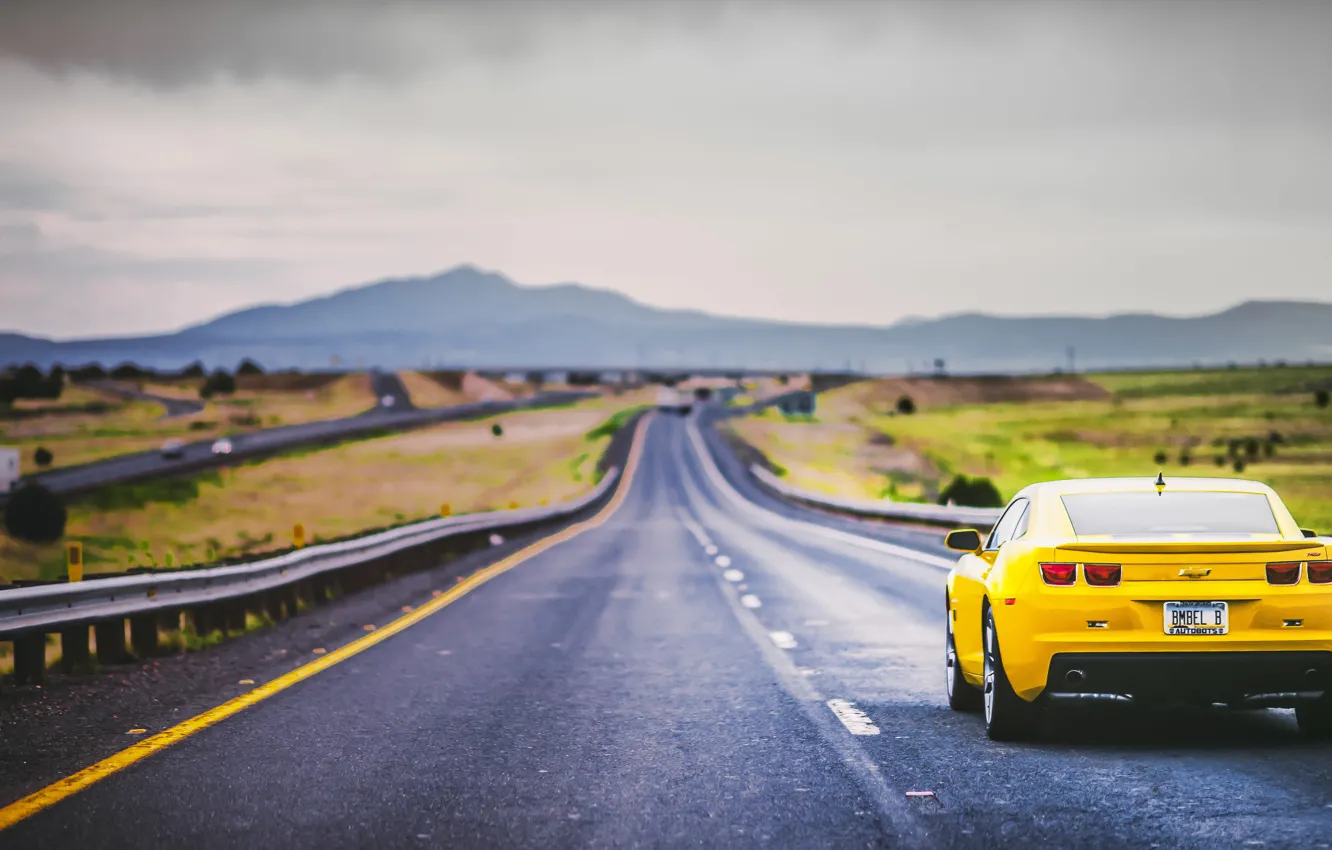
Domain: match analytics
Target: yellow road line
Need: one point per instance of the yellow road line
(70, 785)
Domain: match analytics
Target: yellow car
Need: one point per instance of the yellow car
(1194, 590)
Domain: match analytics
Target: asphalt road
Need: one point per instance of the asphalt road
(199, 455)
(702, 670)
(172, 407)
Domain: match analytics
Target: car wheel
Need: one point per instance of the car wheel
(961, 695)
(1315, 718)
(1008, 717)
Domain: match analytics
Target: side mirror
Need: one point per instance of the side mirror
(963, 540)
(1307, 532)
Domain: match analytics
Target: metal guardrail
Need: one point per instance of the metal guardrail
(51, 607)
(949, 515)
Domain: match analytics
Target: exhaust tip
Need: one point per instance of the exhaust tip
(1076, 678)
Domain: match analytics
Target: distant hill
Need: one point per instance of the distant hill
(467, 317)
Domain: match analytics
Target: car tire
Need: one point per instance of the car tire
(1008, 717)
(962, 696)
(1315, 718)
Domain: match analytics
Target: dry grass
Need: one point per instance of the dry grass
(333, 492)
(134, 426)
(427, 392)
(855, 446)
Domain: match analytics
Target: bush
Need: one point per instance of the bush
(906, 405)
(497, 430)
(1219, 460)
(1185, 458)
(249, 367)
(1159, 457)
(1322, 398)
(43, 457)
(128, 372)
(1238, 465)
(1251, 448)
(218, 383)
(35, 514)
(972, 493)
(193, 371)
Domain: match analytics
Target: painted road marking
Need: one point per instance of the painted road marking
(733, 575)
(856, 721)
(783, 640)
(749, 600)
(695, 529)
(70, 785)
(723, 561)
(711, 550)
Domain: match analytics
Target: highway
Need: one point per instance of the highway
(699, 666)
(172, 407)
(199, 455)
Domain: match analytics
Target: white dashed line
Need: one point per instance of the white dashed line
(733, 575)
(723, 561)
(695, 529)
(783, 640)
(749, 600)
(856, 721)
(711, 550)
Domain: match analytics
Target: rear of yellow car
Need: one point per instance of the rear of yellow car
(1205, 593)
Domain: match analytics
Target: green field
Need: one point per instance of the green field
(1201, 421)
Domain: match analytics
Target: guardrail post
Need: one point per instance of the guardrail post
(273, 605)
(74, 652)
(203, 620)
(235, 616)
(111, 642)
(30, 659)
(143, 635)
(290, 600)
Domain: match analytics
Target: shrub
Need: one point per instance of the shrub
(128, 371)
(972, 493)
(906, 405)
(249, 367)
(43, 457)
(1219, 460)
(1184, 457)
(1159, 457)
(35, 514)
(1322, 398)
(218, 383)
(1251, 448)
(1238, 465)
(497, 430)
(1269, 449)
(194, 370)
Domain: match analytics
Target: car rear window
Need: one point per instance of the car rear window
(1138, 514)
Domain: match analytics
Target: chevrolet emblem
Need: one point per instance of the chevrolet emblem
(1195, 572)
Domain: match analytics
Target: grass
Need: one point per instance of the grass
(864, 450)
(77, 436)
(333, 491)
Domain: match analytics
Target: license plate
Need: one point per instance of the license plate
(1197, 618)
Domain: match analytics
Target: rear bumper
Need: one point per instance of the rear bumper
(1198, 677)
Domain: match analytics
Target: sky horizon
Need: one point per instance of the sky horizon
(835, 163)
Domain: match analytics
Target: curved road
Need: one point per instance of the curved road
(706, 668)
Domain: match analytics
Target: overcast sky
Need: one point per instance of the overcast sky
(163, 162)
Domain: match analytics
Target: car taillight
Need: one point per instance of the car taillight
(1283, 573)
(1320, 572)
(1101, 575)
(1060, 574)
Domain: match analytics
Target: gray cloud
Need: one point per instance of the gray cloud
(836, 161)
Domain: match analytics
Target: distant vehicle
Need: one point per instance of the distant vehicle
(1193, 590)
(672, 400)
(222, 447)
(173, 449)
(9, 469)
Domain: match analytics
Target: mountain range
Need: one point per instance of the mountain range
(470, 318)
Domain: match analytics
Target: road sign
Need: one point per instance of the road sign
(74, 560)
